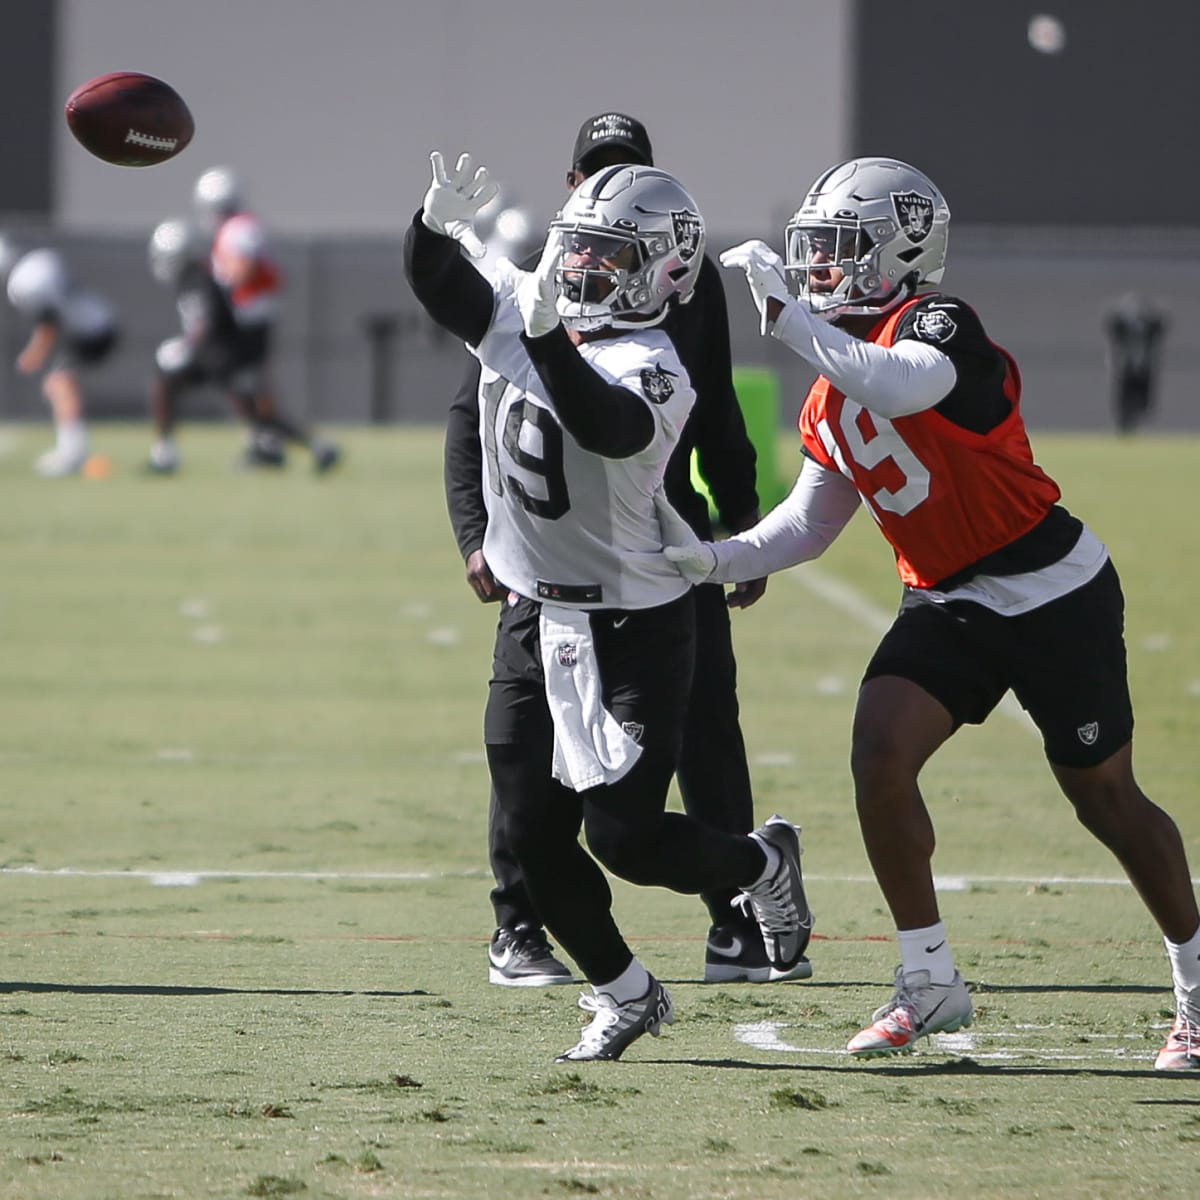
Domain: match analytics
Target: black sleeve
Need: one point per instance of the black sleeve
(463, 465)
(716, 427)
(981, 398)
(604, 418)
(454, 294)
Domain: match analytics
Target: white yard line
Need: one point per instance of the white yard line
(774, 1037)
(181, 876)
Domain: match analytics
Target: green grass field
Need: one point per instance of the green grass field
(242, 826)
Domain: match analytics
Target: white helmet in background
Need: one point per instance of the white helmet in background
(175, 245)
(39, 281)
(632, 244)
(217, 195)
(870, 233)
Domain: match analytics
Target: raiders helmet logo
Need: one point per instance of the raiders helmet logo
(1089, 733)
(934, 326)
(657, 385)
(915, 214)
(568, 654)
(688, 230)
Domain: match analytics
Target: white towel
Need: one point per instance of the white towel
(590, 747)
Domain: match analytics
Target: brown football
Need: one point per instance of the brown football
(130, 119)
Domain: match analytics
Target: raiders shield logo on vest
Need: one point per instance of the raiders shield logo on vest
(657, 385)
(914, 212)
(1089, 733)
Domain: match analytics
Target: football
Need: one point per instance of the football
(130, 119)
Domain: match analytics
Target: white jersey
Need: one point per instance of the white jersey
(39, 285)
(564, 524)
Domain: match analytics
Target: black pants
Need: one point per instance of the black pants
(712, 772)
(645, 659)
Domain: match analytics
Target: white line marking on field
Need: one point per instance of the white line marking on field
(1157, 643)
(443, 635)
(853, 603)
(191, 877)
(770, 1036)
(196, 608)
(942, 882)
(176, 754)
(770, 759)
(208, 635)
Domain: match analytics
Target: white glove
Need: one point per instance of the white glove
(451, 205)
(695, 563)
(534, 291)
(692, 558)
(764, 274)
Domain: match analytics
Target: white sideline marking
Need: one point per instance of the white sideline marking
(853, 603)
(945, 883)
(189, 878)
(768, 1035)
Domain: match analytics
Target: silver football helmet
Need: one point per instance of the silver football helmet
(870, 233)
(217, 195)
(174, 245)
(631, 246)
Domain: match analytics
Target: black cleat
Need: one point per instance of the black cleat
(522, 957)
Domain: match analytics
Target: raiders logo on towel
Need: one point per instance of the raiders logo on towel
(915, 214)
(934, 325)
(657, 385)
(689, 229)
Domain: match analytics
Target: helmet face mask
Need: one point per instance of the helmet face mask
(870, 233)
(631, 243)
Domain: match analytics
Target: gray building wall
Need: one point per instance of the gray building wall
(329, 110)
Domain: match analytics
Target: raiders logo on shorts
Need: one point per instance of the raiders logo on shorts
(657, 385)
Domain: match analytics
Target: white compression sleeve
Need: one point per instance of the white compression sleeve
(891, 381)
(801, 526)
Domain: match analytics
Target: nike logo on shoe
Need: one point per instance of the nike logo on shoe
(500, 958)
(925, 1021)
(734, 950)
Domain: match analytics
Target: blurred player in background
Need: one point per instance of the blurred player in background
(582, 400)
(74, 328)
(916, 415)
(713, 774)
(1136, 328)
(243, 267)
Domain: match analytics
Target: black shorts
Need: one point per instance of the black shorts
(87, 351)
(644, 658)
(1065, 662)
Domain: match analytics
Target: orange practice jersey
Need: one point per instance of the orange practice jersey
(942, 495)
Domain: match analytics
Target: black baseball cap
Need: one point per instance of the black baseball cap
(613, 129)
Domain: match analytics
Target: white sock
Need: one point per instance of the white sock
(632, 984)
(773, 859)
(927, 950)
(1185, 967)
(71, 438)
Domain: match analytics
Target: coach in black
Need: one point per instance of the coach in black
(713, 775)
